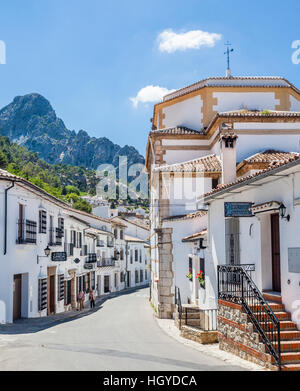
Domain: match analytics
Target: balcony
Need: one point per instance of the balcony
(91, 258)
(27, 231)
(106, 262)
(100, 243)
(110, 243)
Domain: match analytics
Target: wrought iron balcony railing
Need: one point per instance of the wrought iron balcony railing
(106, 262)
(27, 232)
(91, 258)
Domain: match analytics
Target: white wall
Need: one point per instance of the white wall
(186, 113)
(251, 100)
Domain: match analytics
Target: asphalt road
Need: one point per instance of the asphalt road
(121, 334)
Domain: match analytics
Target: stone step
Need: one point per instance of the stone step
(287, 335)
(280, 315)
(284, 325)
(291, 367)
(275, 307)
(290, 358)
(289, 346)
(273, 297)
(191, 322)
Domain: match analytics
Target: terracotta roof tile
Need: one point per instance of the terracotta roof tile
(237, 81)
(187, 216)
(272, 166)
(195, 236)
(271, 156)
(210, 163)
(176, 130)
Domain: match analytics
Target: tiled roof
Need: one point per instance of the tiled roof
(136, 222)
(270, 156)
(187, 216)
(257, 175)
(195, 236)
(210, 163)
(250, 114)
(6, 175)
(238, 81)
(258, 113)
(176, 130)
(129, 238)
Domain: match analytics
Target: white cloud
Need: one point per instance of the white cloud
(150, 94)
(169, 41)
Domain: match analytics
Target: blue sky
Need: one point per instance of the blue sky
(90, 57)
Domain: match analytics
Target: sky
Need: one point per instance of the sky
(103, 64)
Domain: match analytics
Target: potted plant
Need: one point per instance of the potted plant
(190, 275)
(201, 279)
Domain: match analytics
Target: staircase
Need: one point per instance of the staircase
(289, 334)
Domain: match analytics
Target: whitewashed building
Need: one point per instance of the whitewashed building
(50, 252)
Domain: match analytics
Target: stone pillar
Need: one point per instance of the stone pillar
(165, 290)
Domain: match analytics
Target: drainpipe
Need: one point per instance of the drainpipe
(5, 215)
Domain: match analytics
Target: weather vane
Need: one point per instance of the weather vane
(228, 51)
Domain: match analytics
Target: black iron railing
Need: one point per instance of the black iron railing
(106, 262)
(178, 303)
(27, 232)
(91, 258)
(236, 285)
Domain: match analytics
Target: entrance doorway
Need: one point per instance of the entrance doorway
(106, 284)
(275, 245)
(17, 296)
(51, 308)
(128, 279)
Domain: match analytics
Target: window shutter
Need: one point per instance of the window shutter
(42, 295)
(60, 287)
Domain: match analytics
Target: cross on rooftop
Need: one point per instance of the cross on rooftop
(228, 51)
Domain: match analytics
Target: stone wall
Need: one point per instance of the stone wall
(165, 287)
(237, 336)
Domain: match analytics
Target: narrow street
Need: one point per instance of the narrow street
(120, 334)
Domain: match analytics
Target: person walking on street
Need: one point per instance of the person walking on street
(80, 299)
(92, 298)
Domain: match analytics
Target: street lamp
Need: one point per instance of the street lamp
(282, 212)
(47, 252)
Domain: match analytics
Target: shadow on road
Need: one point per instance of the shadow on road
(34, 325)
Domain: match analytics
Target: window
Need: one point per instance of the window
(42, 295)
(51, 229)
(214, 183)
(60, 287)
(42, 222)
(31, 231)
(141, 275)
(122, 255)
(136, 255)
(136, 276)
(131, 256)
(146, 277)
(67, 292)
(61, 226)
(116, 233)
(73, 238)
(116, 276)
(140, 256)
(79, 240)
(21, 224)
(121, 234)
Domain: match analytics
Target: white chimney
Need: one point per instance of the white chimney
(228, 157)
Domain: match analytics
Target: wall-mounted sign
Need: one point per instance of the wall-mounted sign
(76, 260)
(238, 209)
(294, 260)
(88, 266)
(59, 256)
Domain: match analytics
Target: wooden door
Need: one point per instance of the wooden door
(52, 294)
(106, 284)
(275, 238)
(17, 296)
